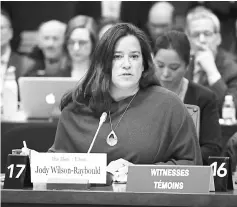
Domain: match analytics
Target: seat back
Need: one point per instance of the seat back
(194, 111)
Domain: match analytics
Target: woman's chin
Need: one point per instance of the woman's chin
(168, 86)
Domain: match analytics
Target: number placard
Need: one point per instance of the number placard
(11, 168)
(220, 171)
(17, 173)
(221, 167)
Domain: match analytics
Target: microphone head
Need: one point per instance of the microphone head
(103, 117)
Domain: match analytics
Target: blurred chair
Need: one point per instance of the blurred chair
(28, 41)
(39, 137)
(194, 111)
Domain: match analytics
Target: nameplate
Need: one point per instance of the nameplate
(170, 178)
(68, 168)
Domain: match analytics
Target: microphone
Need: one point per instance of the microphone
(102, 120)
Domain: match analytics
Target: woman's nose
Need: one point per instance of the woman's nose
(202, 38)
(165, 72)
(76, 46)
(126, 63)
(49, 42)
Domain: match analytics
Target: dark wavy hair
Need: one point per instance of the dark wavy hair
(94, 91)
(175, 40)
(81, 21)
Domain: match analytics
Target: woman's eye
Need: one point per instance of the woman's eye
(135, 57)
(160, 65)
(174, 68)
(117, 57)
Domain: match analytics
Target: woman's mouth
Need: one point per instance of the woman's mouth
(126, 74)
(165, 80)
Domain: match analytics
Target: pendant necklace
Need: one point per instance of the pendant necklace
(112, 138)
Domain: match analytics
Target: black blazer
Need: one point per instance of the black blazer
(37, 68)
(227, 67)
(210, 130)
(20, 62)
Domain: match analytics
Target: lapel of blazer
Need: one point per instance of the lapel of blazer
(189, 99)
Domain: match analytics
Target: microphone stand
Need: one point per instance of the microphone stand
(102, 120)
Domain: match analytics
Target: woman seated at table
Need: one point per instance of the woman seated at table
(80, 40)
(146, 123)
(171, 57)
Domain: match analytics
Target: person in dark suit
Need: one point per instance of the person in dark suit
(10, 58)
(230, 150)
(49, 57)
(172, 55)
(226, 12)
(234, 46)
(161, 17)
(20, 62)
(211, 65)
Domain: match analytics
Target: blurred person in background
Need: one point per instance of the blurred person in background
(105, 24)
(12, 63)
(134, 12)
(230, 150)
(80, 40)
(226, 12)
(211, 65)
(171, 57)
(161, 18)
(234, 46)
(8, 56)
(50, 44)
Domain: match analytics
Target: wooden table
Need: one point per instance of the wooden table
(114, 195)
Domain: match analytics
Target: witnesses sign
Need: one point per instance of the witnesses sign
(170, 178)
(68, 168)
